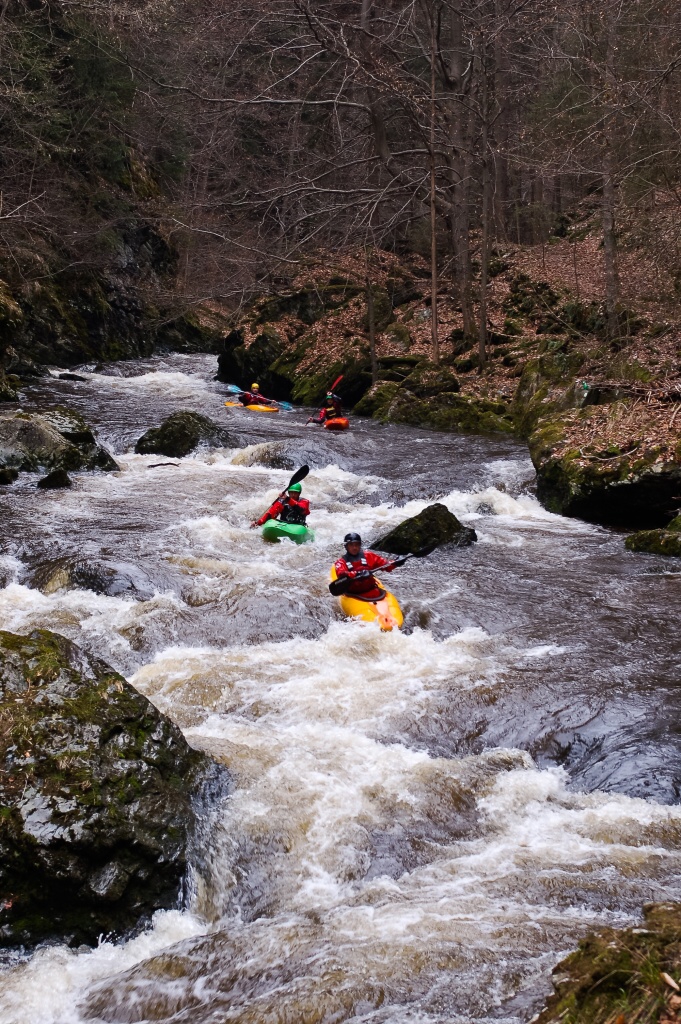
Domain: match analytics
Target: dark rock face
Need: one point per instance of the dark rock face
(621, 492)
(430, 529)
(56, 439)
(8, 476)
(57, 480)
(95, 796)
(614, 969)
(180, 434)
(257, 363)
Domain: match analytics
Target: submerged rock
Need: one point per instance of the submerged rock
(621, 975)
(55, 439)
(180, 434)
(430, 529)
(96, 794)
(68, 572)
(284, 454)
(8, 476)
(657, 542)
(58, 479)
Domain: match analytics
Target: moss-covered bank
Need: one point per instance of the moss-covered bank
(622, 977)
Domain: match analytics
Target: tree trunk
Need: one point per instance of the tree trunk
(433, 210)
(459, 169)
(372, 323)
(609, 170)
(486, 212)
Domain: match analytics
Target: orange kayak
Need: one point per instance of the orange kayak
(337, 423)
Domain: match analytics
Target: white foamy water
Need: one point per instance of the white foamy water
(400, 845)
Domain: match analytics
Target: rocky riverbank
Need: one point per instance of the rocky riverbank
(98, 793)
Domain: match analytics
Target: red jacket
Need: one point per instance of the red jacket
(250, 398)
(301, 506)
(350, 567)
(332, 409)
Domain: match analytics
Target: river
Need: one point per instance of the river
(421, 823)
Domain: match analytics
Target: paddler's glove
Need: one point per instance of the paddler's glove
(363, 575)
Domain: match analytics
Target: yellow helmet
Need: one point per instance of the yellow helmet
(255, 387)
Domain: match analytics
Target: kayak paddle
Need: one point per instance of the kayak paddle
(332, 388)
(299, 475)
(340, 586)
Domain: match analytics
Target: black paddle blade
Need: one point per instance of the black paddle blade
(338, 587)
(299, 475)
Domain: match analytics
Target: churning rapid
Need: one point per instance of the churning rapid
(420, 823)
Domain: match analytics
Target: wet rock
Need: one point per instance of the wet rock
(9, 391)
(657, 542)
(96, 794)
(286, 454)
(180, 434)
(612, 970)
(69, 572)
(273, 454)
(432, 528)
(8, 476)
(58, 479)
(72, 376)
(55, 439)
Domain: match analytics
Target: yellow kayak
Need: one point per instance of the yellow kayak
(384, 610)
(256, 408)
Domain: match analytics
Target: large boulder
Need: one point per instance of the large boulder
(657, 542)
(181, 433)
(96, 796)
(430, 529)
(54, 439)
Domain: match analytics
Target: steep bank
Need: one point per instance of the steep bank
(600, 416)
(88, 263)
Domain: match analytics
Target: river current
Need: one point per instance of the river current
(420, 823)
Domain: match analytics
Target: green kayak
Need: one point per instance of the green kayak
(273, 530)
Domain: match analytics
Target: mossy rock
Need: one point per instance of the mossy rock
(625, 491)
(432, 528)
(180, 434)
(400, 334)
(55, 439)
(617, 975)
(656, 542)
(96, 791)
(429, 381)
(449, 411)
(377, 401)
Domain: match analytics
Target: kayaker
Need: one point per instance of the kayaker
(253, 397)
(290, 508)
(356, 565)
(331, 410)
